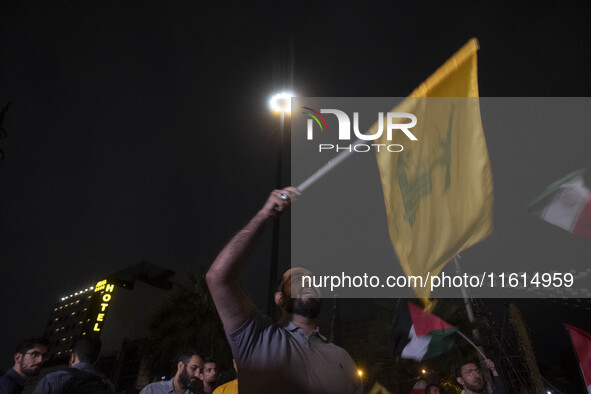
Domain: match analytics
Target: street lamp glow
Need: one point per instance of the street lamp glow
(281, 102)
(423, 371)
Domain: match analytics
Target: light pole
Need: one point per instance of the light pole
(281, 103)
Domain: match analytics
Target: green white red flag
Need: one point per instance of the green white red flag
(566, 204)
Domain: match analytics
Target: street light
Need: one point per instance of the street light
(281, 102)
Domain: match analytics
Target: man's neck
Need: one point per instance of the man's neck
(207, 388)
(305, 323)
(17, 369)
(176, 386)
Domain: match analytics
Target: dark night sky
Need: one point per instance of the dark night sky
(140, 129)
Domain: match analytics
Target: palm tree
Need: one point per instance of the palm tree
(186, 319)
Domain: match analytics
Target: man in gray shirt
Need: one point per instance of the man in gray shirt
(290, 356)
(189, 366)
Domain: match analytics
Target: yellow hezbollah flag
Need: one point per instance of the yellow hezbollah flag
(438, 191)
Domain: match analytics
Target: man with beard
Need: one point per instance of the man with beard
(29, 357)
(188, 368)
(290, 356)
(469, 376)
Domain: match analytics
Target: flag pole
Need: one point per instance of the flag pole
(469, 310)
(475, 332)
(472, 343)
(467, 302)
(325, 169)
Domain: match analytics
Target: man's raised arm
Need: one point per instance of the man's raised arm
(232, 303)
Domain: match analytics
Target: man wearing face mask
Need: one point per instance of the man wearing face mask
(29, 357)
(290, 356)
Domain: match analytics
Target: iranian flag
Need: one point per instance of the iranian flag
(582, 344)
(418, 334)
(566, 204)
(419, 387)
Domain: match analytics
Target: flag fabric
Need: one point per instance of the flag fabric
(582, 343)
(418, 334)
(567, 204)
(419, 387)
(438, 191)
(377, 388)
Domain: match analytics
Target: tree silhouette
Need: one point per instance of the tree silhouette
(187, 318)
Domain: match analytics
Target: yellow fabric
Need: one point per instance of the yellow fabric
(229, 388)
(438, 191)
(378, 389)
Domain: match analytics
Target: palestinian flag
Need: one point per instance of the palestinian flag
(566, 204)
(418, 334)
(582, 344)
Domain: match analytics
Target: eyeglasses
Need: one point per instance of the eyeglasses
(472, 372)
(37, 354)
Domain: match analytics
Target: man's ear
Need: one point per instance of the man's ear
(179, 366)
(279, 299)
(460, 381)
(17, 357)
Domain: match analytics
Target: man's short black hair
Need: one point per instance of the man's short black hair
(186, 355)
(429, 387)
(208, 360)
(29, 343)
(87, 349)
(461, 364)
(279, 281)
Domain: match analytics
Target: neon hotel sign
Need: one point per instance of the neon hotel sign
(106, 295)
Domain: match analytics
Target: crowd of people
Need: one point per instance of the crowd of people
(288, 356)
(194, 373)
